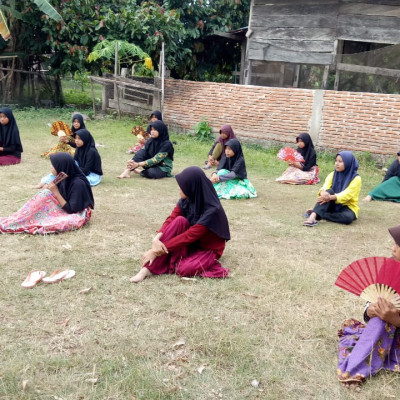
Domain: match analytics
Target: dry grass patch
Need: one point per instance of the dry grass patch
(274, 321)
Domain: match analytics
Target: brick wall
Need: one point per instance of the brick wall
(335, 120)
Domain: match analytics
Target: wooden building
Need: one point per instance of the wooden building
(285, 37)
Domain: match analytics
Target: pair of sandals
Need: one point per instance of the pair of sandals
(36, 276)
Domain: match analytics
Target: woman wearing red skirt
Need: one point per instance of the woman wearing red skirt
(193, 237)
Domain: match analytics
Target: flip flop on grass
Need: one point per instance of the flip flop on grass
(59, 275)
(33, 278)
(310, 223)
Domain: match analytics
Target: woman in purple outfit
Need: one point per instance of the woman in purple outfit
(365, 349)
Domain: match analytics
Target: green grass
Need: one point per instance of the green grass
(274, 320)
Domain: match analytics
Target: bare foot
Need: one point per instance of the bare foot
(367, 198)
(123, 175)
(141, 275)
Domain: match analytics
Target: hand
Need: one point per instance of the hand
(387, 312)
(148, 257)
(132, 164)
(324, 197)
(214, 178)
(52, 187)
(158, 247)
(64, 139)
(1, 148)
(290, 163)
(210, 159)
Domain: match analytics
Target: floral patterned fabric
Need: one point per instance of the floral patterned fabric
(364, 350)
(61, 147)
(296, 176)
(234, 188)
(43, 214)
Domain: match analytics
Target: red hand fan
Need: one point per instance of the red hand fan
(371, 277)
(289, 154)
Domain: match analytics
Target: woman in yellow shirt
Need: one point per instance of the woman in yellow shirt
(338, 199)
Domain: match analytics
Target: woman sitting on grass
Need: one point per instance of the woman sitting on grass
(302, 173)
(155, 158)
(225, 133)
(77, 124)
(193, 237)
(10, 142)
(338, 199)
(86, 157)
(66, 143)
(365, 349)
(61, 208)
(389, 189)
(230, 181)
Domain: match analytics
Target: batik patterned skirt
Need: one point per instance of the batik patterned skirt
(234, 188)
(296, 176)
(365, 349)
(60, 147)
(43, 214)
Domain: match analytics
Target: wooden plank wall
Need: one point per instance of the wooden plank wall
(305, 32)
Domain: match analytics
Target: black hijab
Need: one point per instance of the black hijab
(158, 115)
(76, 188)
(394, 169)
(202, 205)
(235, 163)
(87, 156)
(9, 134)
(79, 117)
(308, 152)
(161, 144)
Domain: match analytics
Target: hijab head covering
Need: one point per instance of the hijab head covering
(308, 151)
(157, 114)
(79, 117)
(227, 129)
(342, 179)
(9, 134)
(202, 205)
(235, 163)
(395, 232)
(87, 152)
(64, 162)
(161, 144)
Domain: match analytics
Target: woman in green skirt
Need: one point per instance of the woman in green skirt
(389, 189)
(230, 180)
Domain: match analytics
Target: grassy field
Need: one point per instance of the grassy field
(274, 320)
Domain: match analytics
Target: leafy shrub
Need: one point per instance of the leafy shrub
(78, 98)
(203, 131)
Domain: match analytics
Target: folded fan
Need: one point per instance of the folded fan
(372, 277)
(289, 154)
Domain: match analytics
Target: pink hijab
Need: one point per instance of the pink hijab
(227, 129)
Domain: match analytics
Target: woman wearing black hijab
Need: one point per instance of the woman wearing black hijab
(389, 188)
(306, 172)
(156, 157)
(193, 237)
(61, 207)
(230, 180)
(87, 157)
(10, 142)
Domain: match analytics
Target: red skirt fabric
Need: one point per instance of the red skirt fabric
(9, 160)
(189, 260)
